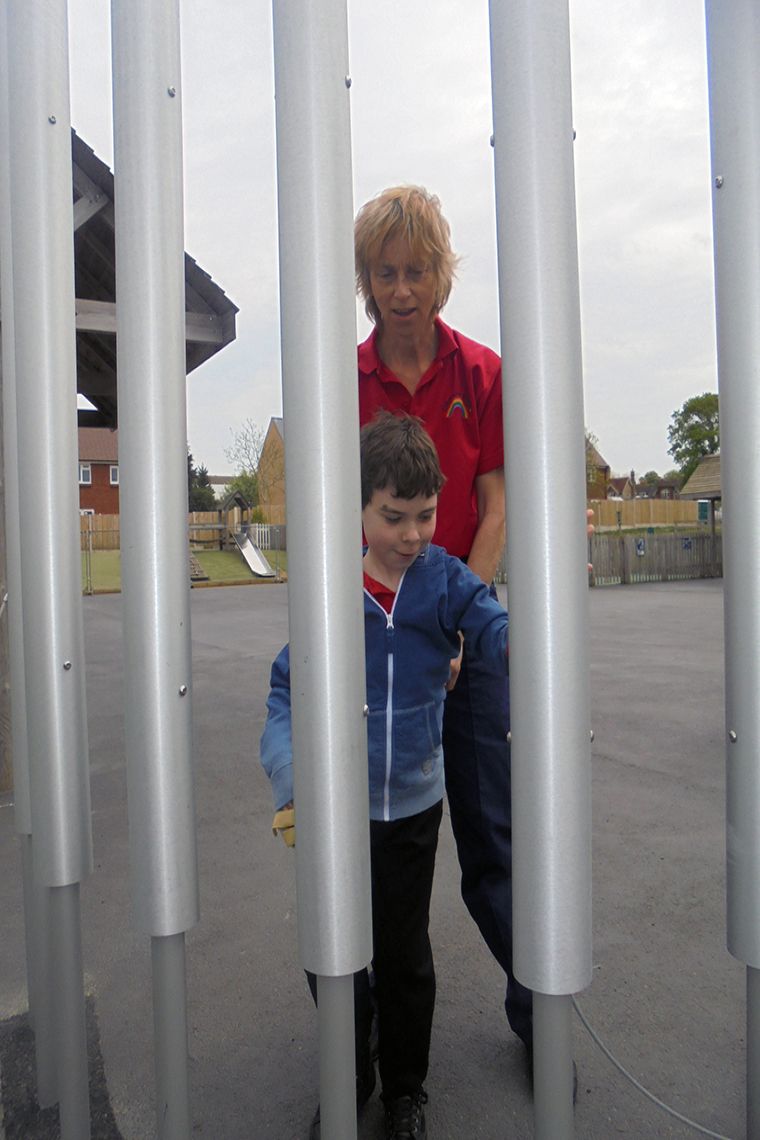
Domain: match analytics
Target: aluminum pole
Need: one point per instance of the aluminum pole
(546, 548)
(21, 797)
(45, 373)
(320, 401)
(150, 300)
(733, 42)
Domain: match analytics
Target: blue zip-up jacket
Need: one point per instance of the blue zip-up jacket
(408, 655)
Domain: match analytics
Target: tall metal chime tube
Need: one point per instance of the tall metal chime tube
(546, 548)
(37, 971)
(42, 259)
(324, 530)
(733, 40)
(150, 300)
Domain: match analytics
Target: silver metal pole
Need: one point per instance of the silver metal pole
(753, 1053)
(45, 373)
(546, 550)
(324, 529)
(70, 1028)
(552, 1074)
(170, 1026)
(336, 1027)
(150, 279)
(733, 41)
(21, 797)
(44, 973)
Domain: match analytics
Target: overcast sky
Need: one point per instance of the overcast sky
(420, 105)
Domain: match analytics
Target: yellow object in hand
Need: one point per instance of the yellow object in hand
(284, 824)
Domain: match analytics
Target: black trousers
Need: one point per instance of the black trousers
(476, 757)
(402, 857)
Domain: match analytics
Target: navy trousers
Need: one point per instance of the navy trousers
(477, 764)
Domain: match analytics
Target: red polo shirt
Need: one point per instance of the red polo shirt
(459, 402)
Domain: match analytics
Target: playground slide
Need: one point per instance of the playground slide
(253, 556)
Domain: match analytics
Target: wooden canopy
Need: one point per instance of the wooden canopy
(210, 314)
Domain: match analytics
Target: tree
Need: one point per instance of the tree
(651, 478)
(247, 483)
(245, 455)
(694, 432)
(200, 493)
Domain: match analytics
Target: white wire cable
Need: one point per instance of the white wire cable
(637, 1084)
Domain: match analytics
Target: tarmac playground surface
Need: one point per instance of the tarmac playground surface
(666, 996)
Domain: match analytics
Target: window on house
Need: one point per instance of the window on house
(87, 511)
(114, 475)
(85, 475)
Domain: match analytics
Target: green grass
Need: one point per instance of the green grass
(106, 570)
(220, 565)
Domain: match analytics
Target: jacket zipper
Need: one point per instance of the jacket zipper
(389, 627)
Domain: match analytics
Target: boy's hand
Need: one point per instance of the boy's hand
(284, 824)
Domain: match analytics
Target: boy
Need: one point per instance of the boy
(417, 599)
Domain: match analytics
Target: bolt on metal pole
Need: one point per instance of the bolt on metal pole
(320, 400)
(546, 551)
(45, 373)
(733, 43)
(150, 308)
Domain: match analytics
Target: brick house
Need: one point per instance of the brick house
(271, 473)
(98, 471)
(597, 473)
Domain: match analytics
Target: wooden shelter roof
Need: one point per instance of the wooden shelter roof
(704, 481)
(210, 314)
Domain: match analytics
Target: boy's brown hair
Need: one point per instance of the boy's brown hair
(397, 453)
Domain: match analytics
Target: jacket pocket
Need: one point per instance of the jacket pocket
(416, 744)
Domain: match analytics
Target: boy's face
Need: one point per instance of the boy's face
(396, 529)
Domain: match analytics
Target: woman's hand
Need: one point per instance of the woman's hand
(455, 666)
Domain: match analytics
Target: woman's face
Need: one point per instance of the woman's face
(404, 290)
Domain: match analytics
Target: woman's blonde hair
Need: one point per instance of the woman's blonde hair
(411, 213)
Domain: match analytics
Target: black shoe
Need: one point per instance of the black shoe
(405, 1117)
(365, 1086)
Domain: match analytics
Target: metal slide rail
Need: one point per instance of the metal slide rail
(733, 40)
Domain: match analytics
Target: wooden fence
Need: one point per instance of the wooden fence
(623, 559)
(208, 529)
(644, 512)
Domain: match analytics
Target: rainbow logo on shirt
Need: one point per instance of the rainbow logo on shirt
(457, 405)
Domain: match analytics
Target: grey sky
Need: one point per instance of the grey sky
(420, 104)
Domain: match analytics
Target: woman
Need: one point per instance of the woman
(413, 362)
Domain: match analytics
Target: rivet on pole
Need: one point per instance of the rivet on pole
(52, 119)
(171, 91)
(732, 736)
(349, 81)
(719, 181)
(67, 665)
(183, 690)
